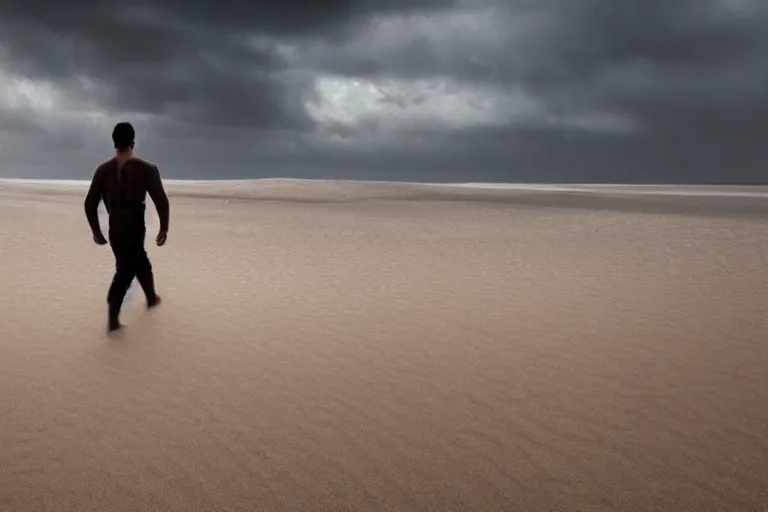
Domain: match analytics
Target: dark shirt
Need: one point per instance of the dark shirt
(124, 194)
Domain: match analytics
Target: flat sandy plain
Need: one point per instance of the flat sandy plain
(371, 347)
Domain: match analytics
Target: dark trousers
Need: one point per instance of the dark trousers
(131, 262)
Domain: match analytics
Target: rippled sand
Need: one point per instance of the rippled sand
(342, 346)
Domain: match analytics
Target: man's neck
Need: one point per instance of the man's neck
(122, 156)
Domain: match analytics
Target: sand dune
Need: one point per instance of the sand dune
(351, 346)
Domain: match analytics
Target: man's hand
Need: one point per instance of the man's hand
(161, 238)
(99, 239)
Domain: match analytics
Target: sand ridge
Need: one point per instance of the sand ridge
(349, 346)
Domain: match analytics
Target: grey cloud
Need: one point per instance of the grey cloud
(152, 70)
(190, 59)
(654, 52)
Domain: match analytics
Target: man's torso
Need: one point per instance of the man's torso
(124, 191)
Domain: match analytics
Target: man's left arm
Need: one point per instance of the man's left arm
(162, 205)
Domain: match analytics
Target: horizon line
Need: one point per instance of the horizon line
(709, 190)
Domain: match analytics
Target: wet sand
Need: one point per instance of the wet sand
(349, 346)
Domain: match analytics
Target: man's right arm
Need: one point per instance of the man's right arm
(91, 204)
(159, 197)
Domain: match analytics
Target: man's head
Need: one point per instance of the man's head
(123, 136)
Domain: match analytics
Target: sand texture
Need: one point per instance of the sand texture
(381, 347)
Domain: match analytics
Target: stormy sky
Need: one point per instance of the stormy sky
(425, 90)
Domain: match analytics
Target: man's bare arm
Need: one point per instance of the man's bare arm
(91, 204)
(160, 198)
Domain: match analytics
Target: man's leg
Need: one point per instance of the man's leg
(146, 278)
(126, 256)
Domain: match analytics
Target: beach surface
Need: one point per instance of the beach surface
(391, 347)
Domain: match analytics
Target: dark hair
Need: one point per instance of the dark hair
(123, 135)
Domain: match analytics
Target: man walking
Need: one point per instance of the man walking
(123, 182)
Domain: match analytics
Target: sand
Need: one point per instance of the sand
(350, 346)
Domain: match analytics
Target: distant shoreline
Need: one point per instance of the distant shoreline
(286, 187)
(499, 184)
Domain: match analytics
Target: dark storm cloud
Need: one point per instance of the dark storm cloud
(205, 55)
(227, 83)
(154, 69)
(288, 17)
(632, 55)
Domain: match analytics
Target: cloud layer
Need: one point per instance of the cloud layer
(494, 90)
